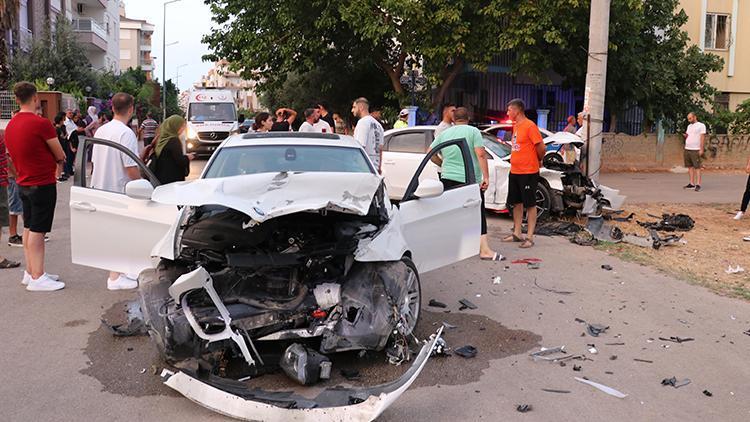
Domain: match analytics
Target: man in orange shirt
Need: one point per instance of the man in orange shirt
(525, 157)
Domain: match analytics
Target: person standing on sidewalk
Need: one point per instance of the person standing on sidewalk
(745, 197)
(695, 140)
(5, 202)
(148, 129)
(37, 155)
(403, 119)
(527, 151)
(368, 132)
(448, 110)
(113, 169)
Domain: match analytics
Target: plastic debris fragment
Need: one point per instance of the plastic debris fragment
(609, 390)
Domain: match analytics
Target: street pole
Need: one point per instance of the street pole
(164, 62)
(596, 84)
(177, 76)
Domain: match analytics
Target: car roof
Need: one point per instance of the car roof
(291, 138)
(411, 128)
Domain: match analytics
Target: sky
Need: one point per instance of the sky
(187, 21)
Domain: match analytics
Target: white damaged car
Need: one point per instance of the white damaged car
(562, 188)
(288, 239)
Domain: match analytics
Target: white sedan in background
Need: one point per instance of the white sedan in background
(557, 191)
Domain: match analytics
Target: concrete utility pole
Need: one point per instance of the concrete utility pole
(596, 84)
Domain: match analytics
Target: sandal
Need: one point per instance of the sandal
(512, 238)
(6, 263)
(496, 257)
(526, 244)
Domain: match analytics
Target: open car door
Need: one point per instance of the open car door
(442, 226)
(115, 231)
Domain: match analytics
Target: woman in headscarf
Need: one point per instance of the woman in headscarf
(171, 164)
(91, 115)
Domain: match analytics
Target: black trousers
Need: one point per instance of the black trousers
(746, 196)
(450, 184)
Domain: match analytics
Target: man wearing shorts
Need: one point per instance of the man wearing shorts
(526, 154)
(695, 139)
(37, 156)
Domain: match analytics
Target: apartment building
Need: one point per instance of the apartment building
(97, 25)
(33, 16)
(722, 27)
(243, 90)
(135, 44)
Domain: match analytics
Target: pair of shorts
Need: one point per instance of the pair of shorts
(522, 189)
(4, 216)
(15, 206)
(38, 207)
(693, 159)
(450, 184)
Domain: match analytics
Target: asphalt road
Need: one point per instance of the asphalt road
(59, 364)
(716, 187)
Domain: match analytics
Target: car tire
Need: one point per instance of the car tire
(544, 203)
(412, 303)
(555, 158)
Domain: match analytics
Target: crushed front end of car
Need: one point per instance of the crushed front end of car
(279, 282)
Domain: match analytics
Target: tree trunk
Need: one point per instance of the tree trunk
(613, 123)
(450, 74)
(394, 74)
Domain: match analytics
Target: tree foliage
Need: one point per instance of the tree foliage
(58, 55)
(650, 62)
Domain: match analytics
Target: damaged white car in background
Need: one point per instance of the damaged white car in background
(286, 251)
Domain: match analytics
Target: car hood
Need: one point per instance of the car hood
(563, 138)
(267, 195)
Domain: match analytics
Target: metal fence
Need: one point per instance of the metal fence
(7, 104)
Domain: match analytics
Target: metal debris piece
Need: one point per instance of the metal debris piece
(533, 265)
(467, 351)
(523, 408)
(497, 280)
(609, 390)
(550, 390)
(544, 354)
(614, 344)
(607, 267)
(577, 368)
(448, 326)
(613, 357)
(676, 339)
(440, 348)
(435, 304)
(747, 333)
(643, 360)
(670, 223)
(560, 292)
(674, 382)
(603, 232)
(708, 393)
(526, 261)
(583, 238)
(596, 329)
(465, 303)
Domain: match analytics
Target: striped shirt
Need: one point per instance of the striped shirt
(149, 128)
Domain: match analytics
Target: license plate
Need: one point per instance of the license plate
(211, 148)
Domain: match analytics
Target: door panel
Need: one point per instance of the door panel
(398, 169)
(445, 229)
(109, 230)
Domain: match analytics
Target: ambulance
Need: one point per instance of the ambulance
(211, 118)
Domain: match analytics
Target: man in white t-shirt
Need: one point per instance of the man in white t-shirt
(369, 132)
(113, 169)
(309, 124)
(320, 125)
(695, 140)
(447, 121)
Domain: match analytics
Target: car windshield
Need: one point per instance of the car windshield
(211, 112)
(498, 148)
(234, 161)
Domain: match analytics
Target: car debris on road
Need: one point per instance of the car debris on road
(601, 387)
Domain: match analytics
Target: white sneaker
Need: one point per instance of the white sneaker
(27, 277)
(122, 283)
(739, 215)
(44, 284)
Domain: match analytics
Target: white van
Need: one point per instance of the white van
(211, 117)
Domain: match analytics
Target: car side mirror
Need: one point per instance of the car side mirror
(139, 189)
(429, 188)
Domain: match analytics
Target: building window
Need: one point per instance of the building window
(717, 31)
(721, 101)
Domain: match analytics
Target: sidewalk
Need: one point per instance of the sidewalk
(721, 188)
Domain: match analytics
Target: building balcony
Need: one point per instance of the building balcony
(145, 47)
(91, 34)
(147, 67)
(98, 4)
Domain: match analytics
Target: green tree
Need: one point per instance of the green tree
(58, 55)
(8, 18)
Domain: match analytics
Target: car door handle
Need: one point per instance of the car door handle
(83, 206)
(389, 162)
(472, 203)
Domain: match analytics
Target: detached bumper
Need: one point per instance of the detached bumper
(232, 398)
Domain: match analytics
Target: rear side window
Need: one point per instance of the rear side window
(408, 142)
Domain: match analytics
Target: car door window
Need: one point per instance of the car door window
(413, 142)
(115, 154)
(469, 175)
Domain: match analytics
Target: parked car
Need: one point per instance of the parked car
(560, 189)
(555, 142)
(284, 238)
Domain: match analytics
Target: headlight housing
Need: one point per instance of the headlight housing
(191, 133)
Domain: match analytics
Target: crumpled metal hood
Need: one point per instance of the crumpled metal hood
(267, 195)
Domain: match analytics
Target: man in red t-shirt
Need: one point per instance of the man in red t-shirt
(527, 152)
(37, 155)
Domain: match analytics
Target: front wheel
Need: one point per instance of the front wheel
(411, 303)
(543, 203)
